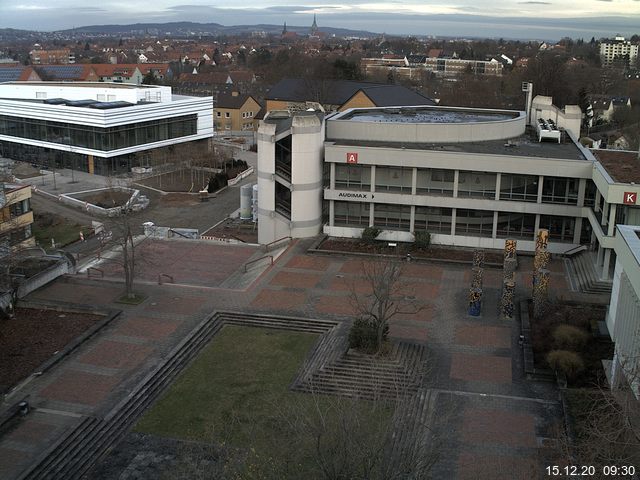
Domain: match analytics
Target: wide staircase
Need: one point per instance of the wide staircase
(583, 275)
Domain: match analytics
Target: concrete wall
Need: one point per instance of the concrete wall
(569, 118)
(63, 267)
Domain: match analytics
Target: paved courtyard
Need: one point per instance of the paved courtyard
(495, 419)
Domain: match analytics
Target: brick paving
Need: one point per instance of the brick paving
(119, 355)
(80, 387)
(492, 413)
(480, 368)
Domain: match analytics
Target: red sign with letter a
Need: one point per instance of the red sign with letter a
(352, 158)
(630, 198)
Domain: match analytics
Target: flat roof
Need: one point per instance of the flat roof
(427, 115)
(130, 86)
(525, 145)
(623, 166)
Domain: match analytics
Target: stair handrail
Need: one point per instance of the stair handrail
(574, 250)
(270, 257)
(269, 245)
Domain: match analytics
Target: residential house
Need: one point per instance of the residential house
(16, 217)
(338, 95)
(235, 112)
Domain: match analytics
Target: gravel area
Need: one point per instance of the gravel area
(32, 336)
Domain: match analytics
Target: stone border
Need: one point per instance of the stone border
(313, 249)
(69, 199)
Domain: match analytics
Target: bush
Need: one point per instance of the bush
(568, 337)
(363, 336)
(369, 235)
(569, 363)
(216, 182)
(423, 239)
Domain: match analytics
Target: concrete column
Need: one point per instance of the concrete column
(332, 180)
(494, 231)
(456, 177)
(498, 180)
(332, 212)
(604, 275)
(453, 222)
(577, 230)
(582, 187)
(596, 206)
(414, 184)
(536, 225)
(540, 184)
(371, 212)
(373, 179)
(600, 256)
(612, 219)
(605, 211)
(412, 221)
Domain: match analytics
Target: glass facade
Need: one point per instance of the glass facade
(392, 217)
(435, 181)
(96, 138)
(475, 223)
(394, 179)
(433, 220)
(516, 225)
(476, 184)
(560, 190)
(351, 214)
(519, 187)
(561, 229)
(353, 177)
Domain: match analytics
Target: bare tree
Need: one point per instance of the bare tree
(385, 298)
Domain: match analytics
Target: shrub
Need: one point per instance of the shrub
(569, 363)
(216, 182)
(568, 337)
(369, 235)
(363, 335)
(423, 239)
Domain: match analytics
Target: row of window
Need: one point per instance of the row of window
(97, 138)
(15, 210)
(470, 183)
(476, 223)
(228, 114)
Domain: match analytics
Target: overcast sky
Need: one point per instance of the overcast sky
(550, 19)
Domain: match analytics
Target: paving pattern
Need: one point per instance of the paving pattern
(474, 380)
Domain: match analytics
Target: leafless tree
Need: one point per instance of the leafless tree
(385, 297)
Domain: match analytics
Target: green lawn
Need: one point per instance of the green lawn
(236, 392)
(48, 226)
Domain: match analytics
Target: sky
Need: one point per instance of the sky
(527, 19)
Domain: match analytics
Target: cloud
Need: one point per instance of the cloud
(540, 3)
(31, 7)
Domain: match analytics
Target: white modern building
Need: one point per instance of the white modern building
(618, 48)
(623, 316)
(98, 127)
(469, 177)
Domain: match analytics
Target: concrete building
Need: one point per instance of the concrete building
(470, 177)
(623, 316)
(98, 127)
(618, 49)
(60, 56)
(16, 218)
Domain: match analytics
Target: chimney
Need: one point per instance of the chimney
(235, 94)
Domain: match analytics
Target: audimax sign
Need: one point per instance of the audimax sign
(363, 196)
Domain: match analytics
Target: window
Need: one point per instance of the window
(218, 114)
(560, 228)
(433, 220)
(516, 225)
(392, 217)
(519, 187)
(351, 214)
(227, 115)
(435, 182)
(476, 184)
(42, 95)
(476, 223)
(394, 179)
(560, 190)
(353, 177)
